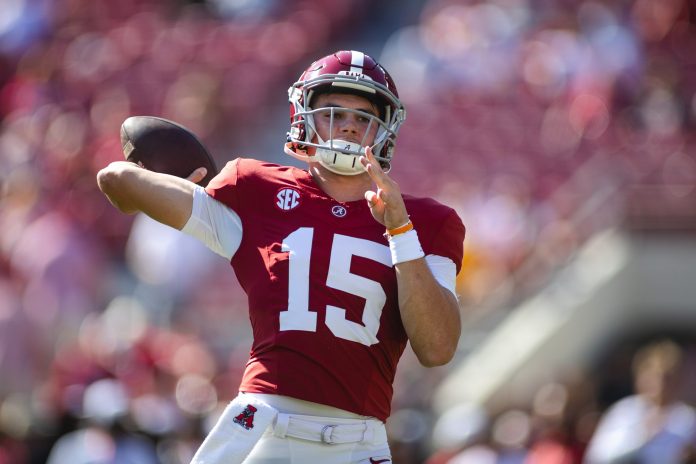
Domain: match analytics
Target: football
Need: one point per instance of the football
(164, 146)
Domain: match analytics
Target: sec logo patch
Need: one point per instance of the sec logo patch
(287, 199)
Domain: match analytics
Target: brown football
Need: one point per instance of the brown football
(162, 145)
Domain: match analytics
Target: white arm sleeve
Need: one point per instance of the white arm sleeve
(444, 270)
(214, 224)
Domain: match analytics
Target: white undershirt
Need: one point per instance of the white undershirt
(220, 229)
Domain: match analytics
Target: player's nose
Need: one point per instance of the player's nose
(349, 125)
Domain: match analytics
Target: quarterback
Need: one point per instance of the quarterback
(340, 268)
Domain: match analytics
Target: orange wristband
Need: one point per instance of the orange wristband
(400, 230)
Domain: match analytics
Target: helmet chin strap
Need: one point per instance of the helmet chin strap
(330, 155)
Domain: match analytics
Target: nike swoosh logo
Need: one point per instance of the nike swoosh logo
(381, 460)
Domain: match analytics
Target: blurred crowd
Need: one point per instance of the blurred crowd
(530, 115)
(643, 414)
(535, 119)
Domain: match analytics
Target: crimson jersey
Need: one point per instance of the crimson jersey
(322, 290)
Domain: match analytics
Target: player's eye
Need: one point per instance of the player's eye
(328, 114)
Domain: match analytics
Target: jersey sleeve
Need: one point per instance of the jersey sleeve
(446, 238)
(228, 186)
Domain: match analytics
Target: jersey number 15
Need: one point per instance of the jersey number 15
(299, 316)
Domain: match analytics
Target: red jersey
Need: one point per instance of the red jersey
(322, 290)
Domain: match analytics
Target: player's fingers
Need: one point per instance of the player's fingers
(373, 161)
(376, 199)
(376, 206)
(371, 197)
(197, 175)
(372, 167)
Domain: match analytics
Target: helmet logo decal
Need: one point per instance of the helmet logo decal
(287, 199)
(338, 211)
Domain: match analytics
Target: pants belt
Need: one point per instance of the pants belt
(329, 430)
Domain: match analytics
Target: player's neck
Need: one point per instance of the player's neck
(340, 188)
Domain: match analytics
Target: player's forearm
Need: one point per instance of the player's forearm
(429, 312)
(129, 188)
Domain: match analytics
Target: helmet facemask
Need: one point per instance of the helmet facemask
(336, 154)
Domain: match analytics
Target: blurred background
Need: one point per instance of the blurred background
(563, 132)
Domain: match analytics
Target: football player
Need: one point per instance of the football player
(341, 270)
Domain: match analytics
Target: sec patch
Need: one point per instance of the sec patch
(287, 199)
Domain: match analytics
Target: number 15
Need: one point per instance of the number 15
(298, 315)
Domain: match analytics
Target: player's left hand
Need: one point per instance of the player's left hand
(386, 204)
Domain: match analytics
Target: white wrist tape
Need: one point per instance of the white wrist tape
(405, 247)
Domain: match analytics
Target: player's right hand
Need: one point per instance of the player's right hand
(197, 175)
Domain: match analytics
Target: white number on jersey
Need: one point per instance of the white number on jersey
(298, 315)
